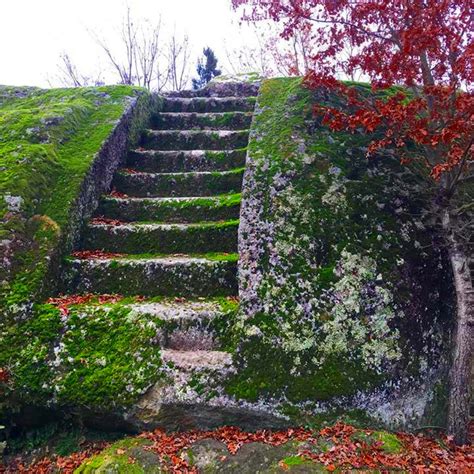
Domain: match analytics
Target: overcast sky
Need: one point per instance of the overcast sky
(33, 33)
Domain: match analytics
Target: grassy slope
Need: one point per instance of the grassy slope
(48, 139)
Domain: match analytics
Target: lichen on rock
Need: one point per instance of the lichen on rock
(338, 271)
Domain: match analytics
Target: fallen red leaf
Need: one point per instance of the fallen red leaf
(118, 194)
(4, 375)
(105, 221)
(419, 454)
(95, 254)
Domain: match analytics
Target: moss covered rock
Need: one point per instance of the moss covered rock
(344, 297)
(55, 156)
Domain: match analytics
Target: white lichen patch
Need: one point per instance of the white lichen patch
(335, 196)
(360, 315)
(13, 203)
(169, 311)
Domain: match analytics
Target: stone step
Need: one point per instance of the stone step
(186, 160)
(183, 324)
(189, 325)
(240, 89)
(190, 361)
(139, 237)
(196, 183)
(193, 396)
(207, 121)
(171, 275)
(208, 104)
(194, 139)
(176, 209)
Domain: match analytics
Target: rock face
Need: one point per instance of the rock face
(345, 299)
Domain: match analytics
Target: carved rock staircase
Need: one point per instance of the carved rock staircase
(173, 218)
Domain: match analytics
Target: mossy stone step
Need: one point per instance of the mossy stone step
(184, 276)
(198, 183)
(193, 396)
(186, 160)
(239, 88)
(177, 209)
(184, 324)
(194, 139)
(207, 121)
(138, 237)
(208, 104)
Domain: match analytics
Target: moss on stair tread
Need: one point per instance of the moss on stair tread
(194, 139)
(149, 225)
(153, 275)
(211, 256)
(183, 201)
(140, 237)
(208, 104)
(196, 132)
(186, 160)
(204, 121)
(234, 171)
(190, 209)
(194, 183)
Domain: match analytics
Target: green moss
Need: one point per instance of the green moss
(339, 224)
(390, 443)
(218, 208)
(180, 184)
(49, 139)
(195, 237)
(120, 457)
(269, 375)
(294, 461)
(24, 350)
(108, 358)
(213, 256)
(102, 358)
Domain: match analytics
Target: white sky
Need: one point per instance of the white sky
(33, 33)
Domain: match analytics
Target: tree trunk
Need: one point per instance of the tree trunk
(459, 394)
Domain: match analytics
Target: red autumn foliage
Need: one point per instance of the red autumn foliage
(420, 454)
(100, 220)
(55, 464)
(425, 46)
(63, 303)
(95, 255)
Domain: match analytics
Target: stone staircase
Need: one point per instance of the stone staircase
(169, 229)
